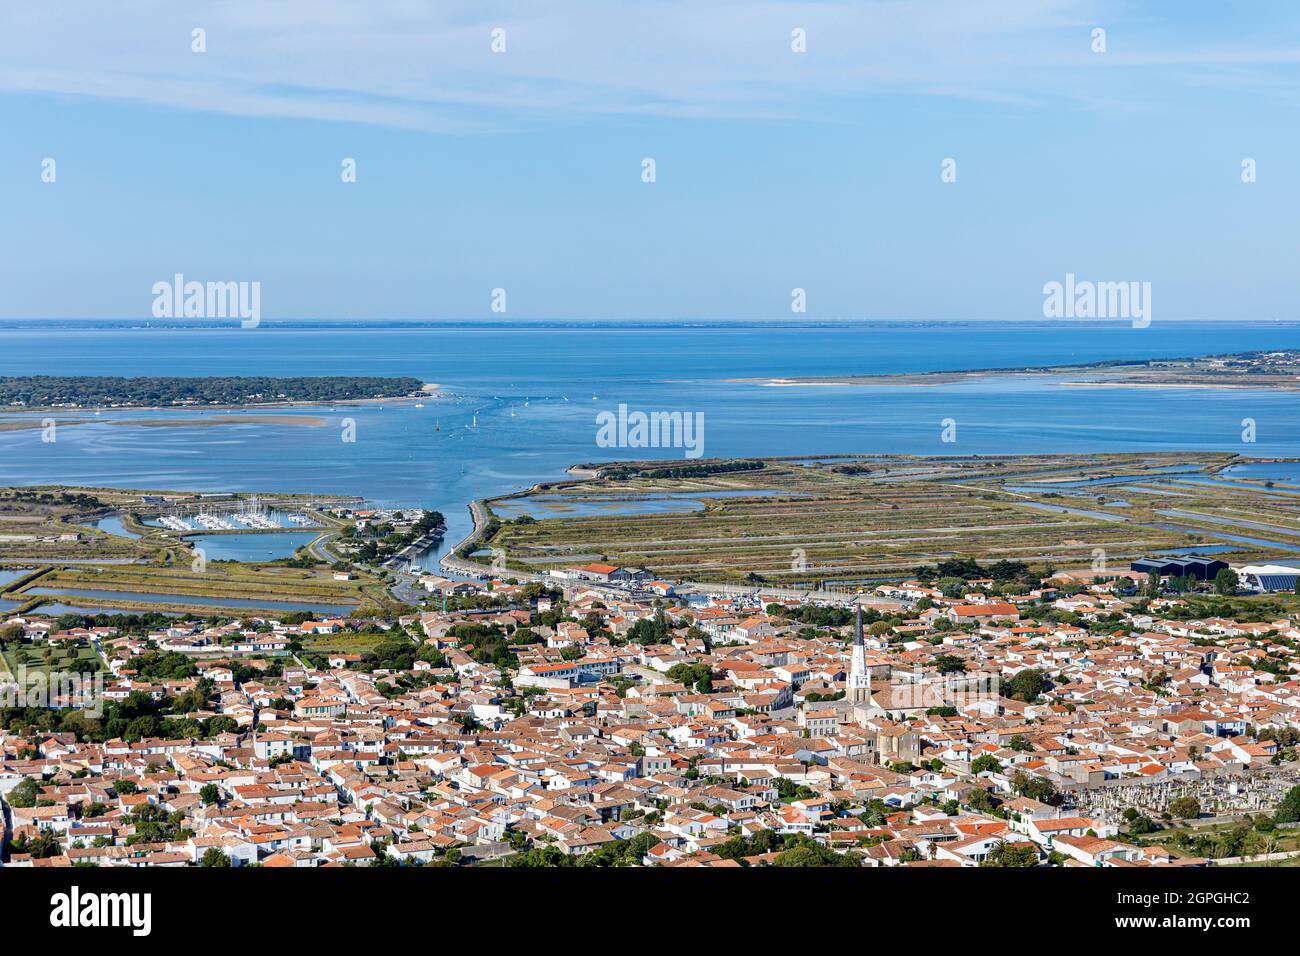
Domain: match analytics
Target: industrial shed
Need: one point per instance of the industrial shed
(1203, 569)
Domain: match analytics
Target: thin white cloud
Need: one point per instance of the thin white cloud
(427, 63)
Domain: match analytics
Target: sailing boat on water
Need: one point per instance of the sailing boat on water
(437, 424)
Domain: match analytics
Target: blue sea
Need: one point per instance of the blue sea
(519, 404)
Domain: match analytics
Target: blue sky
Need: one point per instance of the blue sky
(775, 170)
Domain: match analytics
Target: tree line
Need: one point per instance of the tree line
(43, 390)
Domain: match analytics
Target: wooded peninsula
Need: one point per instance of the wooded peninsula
(80, 391)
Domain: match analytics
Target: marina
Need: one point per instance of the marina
(251, 514)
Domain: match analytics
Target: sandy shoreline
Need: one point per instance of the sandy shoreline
(304, 421)
(906, 379)
(301, 421)
(934, 379)
(1210, 385)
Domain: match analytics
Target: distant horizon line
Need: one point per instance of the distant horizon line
(337, 322)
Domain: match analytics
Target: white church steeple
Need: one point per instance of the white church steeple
(859, 685)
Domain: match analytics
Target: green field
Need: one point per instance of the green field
(43, 659)
(343, 643)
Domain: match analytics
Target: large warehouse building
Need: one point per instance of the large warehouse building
(1203, 569)
(1268, 577)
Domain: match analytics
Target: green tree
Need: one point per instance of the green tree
(214, 857)
(1035, 788)
(1185, 808)
(951, 587)
(1226, 582)
(949, 664)
(24, 795)
(698, 675)
(1140, 823)
(985, 762)
(1011, 854)
(1026, 685)
(44, 846)
(811, 853)
(1288, 811)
